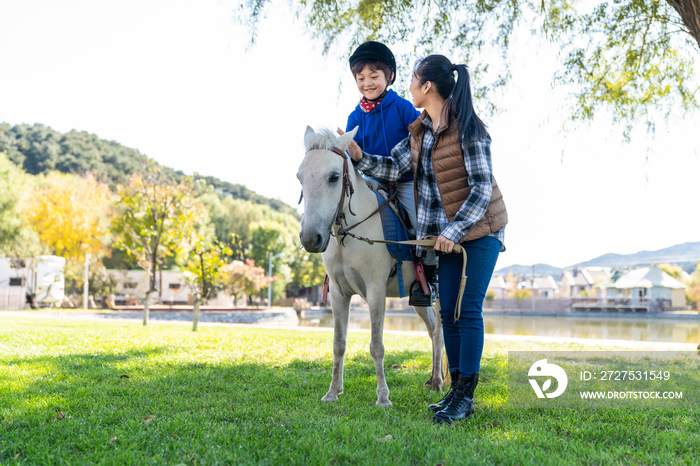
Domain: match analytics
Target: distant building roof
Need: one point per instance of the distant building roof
(610, 281)
(546, 283)
(586, 275)
(646, 277)
(574, 277)
(541, 283)
(598, 274)
(498, 283)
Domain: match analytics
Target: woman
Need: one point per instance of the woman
(457, 200)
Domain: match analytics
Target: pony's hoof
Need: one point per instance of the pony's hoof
(384, 403)
(329, 398)
(434, 384)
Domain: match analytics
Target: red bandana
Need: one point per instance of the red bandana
(367, 106)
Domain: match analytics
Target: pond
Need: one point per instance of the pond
(610, 328)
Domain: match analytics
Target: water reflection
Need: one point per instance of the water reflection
(628, 328)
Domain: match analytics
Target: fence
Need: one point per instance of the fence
(12, 298)
(541, 304)
(621, 304)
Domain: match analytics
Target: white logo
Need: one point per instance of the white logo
(542, 369)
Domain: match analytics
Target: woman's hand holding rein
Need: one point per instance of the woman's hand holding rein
(353, 149)
(443, 244)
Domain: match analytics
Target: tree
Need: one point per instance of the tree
(631, 58)
(71, 217)
(692, 293)
(245, 278)
(153, 213)
(270, 237)
(18, 241)
(521, 295)
(674, 271)
(204, 261)
(307, 269)
(39, 149)
(12, 185)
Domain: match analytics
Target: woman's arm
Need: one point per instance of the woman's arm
(477, 159)
(390, 168)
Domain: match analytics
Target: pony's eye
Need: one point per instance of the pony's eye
(334, 177)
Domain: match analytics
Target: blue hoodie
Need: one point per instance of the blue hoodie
(384, 127)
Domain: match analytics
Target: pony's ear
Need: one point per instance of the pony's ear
(345, 139)
(307, 134)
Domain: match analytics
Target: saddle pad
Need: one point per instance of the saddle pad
(394, 231)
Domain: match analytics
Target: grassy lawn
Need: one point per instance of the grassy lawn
(76, 392)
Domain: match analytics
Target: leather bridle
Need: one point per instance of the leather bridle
(347, 191)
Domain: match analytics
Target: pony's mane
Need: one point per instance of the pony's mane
(324, 138)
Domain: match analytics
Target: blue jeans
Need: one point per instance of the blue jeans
(464, 339)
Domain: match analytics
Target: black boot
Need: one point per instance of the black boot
(462, 404)
(416, 295)
(435, 407)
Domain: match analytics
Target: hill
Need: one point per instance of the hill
(685, 255)
(540, 269)
(40, 149)
(679, 254)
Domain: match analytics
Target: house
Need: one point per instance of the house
(132, 286)
(499, 286)
(581, 281)
(38, 280)
(541, 287)
(14, 282)
(647, 282)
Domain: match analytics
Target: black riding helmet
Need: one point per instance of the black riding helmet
(375, 51)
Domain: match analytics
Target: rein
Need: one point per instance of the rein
(429, 243)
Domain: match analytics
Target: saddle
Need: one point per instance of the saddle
(397, 228)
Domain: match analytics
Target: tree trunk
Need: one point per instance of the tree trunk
(146, 305)
(195, 314)
(689, 11)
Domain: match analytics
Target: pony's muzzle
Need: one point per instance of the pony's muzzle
(313, 241)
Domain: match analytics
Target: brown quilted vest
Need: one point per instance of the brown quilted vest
(451, 176)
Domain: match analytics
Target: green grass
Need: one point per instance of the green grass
(237, 395)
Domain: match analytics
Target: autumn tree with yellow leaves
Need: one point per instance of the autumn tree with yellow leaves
(71, 216)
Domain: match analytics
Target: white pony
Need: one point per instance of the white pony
(354, 267)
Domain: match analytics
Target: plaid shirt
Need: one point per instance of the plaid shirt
(430, 214)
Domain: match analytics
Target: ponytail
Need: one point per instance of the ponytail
(458, 95)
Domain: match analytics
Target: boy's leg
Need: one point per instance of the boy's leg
(404, 191)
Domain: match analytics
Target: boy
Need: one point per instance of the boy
(383, 118)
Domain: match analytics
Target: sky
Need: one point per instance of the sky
(178, 81)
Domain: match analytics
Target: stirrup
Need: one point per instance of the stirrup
(416, 297)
